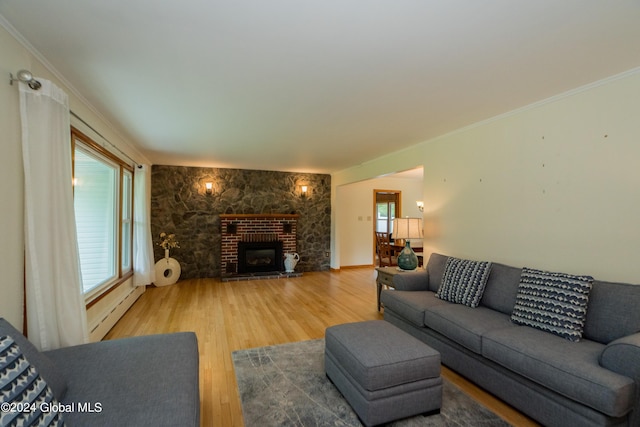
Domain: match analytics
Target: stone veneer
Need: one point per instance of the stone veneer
(180, 205)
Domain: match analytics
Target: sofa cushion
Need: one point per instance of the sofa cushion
(465, 325)
(566, 367)
(552, 302)
(502, 288)
(464, 281)
(410, 305)
(612, 312)
(21, 385)
(45, 366)
(435, 268)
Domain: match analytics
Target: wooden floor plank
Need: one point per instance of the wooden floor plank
(229, 316)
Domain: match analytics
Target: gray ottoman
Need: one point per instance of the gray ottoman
(384, 373)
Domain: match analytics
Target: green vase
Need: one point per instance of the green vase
(407, 259)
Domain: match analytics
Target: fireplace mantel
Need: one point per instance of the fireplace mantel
(259, 216)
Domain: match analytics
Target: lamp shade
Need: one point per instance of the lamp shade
(407, 228)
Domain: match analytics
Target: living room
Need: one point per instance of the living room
(550, 183)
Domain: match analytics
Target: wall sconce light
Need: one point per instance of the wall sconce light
(304, 190)
(208, 187)
(420, 204)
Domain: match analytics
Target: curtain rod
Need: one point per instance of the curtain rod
(25, 76)
(105, 139)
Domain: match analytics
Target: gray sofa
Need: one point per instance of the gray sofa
(593, 382)
(140, 381)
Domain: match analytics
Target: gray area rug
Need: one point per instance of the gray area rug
(285, 385)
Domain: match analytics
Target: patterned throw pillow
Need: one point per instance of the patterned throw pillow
(26, 398)
(464, 281)
(552, 302)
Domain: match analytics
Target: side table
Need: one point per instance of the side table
(385, 277)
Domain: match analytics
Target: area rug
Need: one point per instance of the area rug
(285, 385)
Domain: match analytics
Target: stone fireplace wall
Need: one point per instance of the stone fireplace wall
(180, 205)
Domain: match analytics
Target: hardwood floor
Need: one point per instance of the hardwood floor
(229, 316)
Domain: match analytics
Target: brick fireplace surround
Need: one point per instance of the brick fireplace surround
(254, 227)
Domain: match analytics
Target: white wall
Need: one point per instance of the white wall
(356, 215)
(553, 186)
(402, 160)
(16, 56)
(11, 183)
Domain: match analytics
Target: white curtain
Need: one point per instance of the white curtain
(56, 314)
(143, 265)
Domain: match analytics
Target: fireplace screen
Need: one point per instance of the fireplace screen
(254, 257)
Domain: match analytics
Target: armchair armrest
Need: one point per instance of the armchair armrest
(412, 281)
(623, 356)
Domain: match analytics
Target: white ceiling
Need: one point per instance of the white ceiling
(318, 86)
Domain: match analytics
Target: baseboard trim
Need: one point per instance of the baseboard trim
(352, 267)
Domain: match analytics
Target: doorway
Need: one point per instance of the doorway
(387, 205)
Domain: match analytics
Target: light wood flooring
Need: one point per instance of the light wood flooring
(229, 316)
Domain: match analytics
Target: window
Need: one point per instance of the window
(103, 195)
(384, 222)
(386, 209)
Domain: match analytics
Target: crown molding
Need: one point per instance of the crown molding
(76, 93)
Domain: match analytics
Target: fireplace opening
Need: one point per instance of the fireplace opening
(257, 257)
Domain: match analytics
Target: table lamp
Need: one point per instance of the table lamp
(407, 228)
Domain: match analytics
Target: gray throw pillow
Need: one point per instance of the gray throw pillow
(464, 281)
(552, 302)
